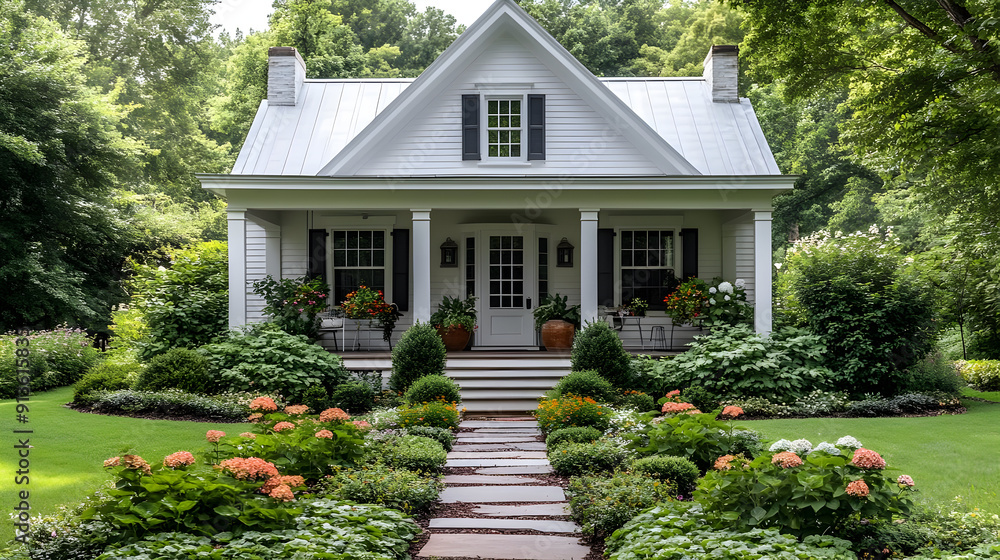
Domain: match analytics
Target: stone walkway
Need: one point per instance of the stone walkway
(512, 515)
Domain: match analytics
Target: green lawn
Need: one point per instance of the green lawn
(947, 456)
(70, 447)
(989, 396)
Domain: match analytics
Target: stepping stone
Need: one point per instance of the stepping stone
(477, 494)
(503, 424)
(540, 525)
(495, 462)
(497, 439)
(507, 431)
(497, 455)
(509, 547)
(530, 446)
(525, 446)
(522, 511)
(484, 479)
(531, 469)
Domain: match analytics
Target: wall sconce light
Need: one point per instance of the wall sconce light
(449, 254)
(564, 253)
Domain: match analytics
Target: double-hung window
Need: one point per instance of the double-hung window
(506, 127)
(358, 258)
(647, 265)
(503, 128)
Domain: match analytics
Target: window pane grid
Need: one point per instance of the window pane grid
(506, 286)
(647, 258)
(503, 129)
(358, 258)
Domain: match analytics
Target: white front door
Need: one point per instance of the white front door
(507, 289)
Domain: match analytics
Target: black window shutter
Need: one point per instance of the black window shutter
(401, 269)
(470, 126)
(689, 243)
(316, 265)
(606, 267)
(536, 127)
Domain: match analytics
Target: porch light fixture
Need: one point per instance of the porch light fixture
(449, 254)
(564, 253)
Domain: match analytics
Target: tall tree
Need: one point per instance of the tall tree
(62, 243)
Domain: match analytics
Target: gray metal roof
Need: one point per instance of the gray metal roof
(716, 138)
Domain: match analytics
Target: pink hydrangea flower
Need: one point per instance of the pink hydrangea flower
(868, 459)
(674, 407)
(178, 460)
(282, 426)
(724, 463)
(249, 468)
(296, 409)
(248, 435)
(112, 462)
(905, 480)
(858, 489)
(276, 481)
(282, 493)
(213, 436)
(786, 459)
(255, 417)
(334, 414)
(135, 463)
(326, 434)
(361, 424)
(731, 411)
(263, 403)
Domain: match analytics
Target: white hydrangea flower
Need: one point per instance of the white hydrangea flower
(801, 447)
(711, 290)
(848, 441)
(827, 447)
(780, 445)
(710, 301)
(740, 282)
(726, 288)
(728, 298)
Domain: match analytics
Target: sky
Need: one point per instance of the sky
(252, 14)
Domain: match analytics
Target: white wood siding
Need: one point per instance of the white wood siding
(294, 244)
(738, 254)
(578, 140)
(256, 269)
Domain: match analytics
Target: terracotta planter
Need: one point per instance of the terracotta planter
(455, 338)
(557, 335)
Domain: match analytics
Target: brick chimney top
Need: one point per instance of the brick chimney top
(285, 73)
(722, 72)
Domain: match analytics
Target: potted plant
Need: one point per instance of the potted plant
(557, 321)
(455, 321)
(685, 304)
(368, 304)
(637, 306)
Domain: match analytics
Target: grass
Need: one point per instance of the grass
(947, 456)
(987, 396)
(69, 448)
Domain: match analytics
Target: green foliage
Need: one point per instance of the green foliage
(304, 450)
(104, 377)
(269, 360)
(440, 435)
(432, 388)
(637, 400)
(356, 397)
(454, 312)
(701, 398)
(678, 470)
(597, 347)
(186, 305)
(737, 361)
(54, 358)
(552, 308)
(178, 368)
(317, 398)
(983, 375)
(602, 505)
(182, 499)
(293, 303)
(572, 459)
(698, 437)
(436, 414)
(726, 304)
(687, 303)
(419, 352)
(566, 412)
(226, 407)
(585, 434)
(809, 499)
(399, 489)
(325, 528)
(414, 453)
(854, 293)
(758, 407)
(678, 530)
(588, 383)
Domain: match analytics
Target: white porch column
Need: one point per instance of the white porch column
(588, 265)
(421, 265)
(237, 266)
(762, 271)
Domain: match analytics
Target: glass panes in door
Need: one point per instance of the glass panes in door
(506, 288)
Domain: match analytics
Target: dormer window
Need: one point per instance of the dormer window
(503, 128)
(515, 127)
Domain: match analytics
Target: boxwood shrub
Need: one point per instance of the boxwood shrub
(573, 459)
(678, 470)
(432, 388)
(415, 453)
(587, 383)
(399, 489)
(597, 347)
(584, 434)
(177, 368)
(441, 435)
(602, 505)
(105, 376)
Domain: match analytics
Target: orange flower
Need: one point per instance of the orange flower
(263, 403)
(361, 424)
(282, 426)
(255, 417)
(674, 407)
(248, 435)
(112, 462)
(282, 493)
(868, 459)
(724, 463)
(325, 434)
(179, 459)
(276, 481)
(213, 436)
(136, 463)
(858, 489)
(295, 410)
(786, 459)
(251, 468)
(334, 414)
(731, 412)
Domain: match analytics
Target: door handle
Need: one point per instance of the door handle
(529, 302)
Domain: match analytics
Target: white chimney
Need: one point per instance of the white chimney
(285, 73)
(721, 73)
